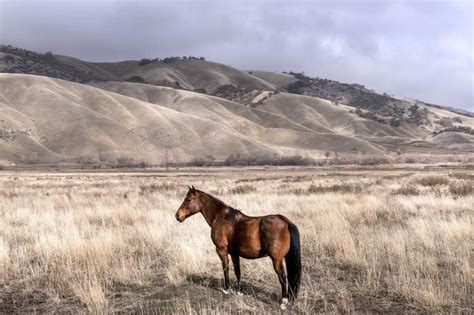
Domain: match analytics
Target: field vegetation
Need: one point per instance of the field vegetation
(373, 241)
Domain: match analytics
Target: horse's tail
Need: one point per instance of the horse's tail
(293, 262)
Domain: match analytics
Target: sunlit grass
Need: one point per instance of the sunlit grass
(110, 242)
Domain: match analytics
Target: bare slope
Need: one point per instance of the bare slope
(316, 113)
(281, 132)
(51, 120)
(295, 124)
(280, 80)
(188, 74)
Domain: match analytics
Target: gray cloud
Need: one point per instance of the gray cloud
(418, 49)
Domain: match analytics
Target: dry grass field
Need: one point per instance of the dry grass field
(373, 241)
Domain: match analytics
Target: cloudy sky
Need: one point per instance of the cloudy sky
(418, 49)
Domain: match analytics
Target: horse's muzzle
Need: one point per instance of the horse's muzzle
(177, 218)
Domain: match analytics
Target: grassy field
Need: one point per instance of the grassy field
(374, 241)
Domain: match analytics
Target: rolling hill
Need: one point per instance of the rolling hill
(59, 109)
(189, 74)
(45, 120)
(276, 131)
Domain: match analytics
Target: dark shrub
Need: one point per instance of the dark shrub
(461, 189)
(148, 189)
(297, 86)
(237, 160)
(242, 189)
(144, 61)
(136, 79)
(9, 59)
(463, 129)
(395, 122)
(445, 122)
(432, 181)
(200, 90)
(342, 188)
(407, 190)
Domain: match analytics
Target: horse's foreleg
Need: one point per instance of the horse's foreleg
(280, 270)
(236, 262)
(222, 252)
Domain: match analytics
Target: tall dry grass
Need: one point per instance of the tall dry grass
(109, 242)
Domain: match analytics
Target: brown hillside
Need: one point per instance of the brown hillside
(51, 120)
(273, 129)
(188, 74)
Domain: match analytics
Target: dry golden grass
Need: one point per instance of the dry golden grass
(110, 242)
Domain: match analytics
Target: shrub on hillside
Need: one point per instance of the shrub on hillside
(136, 79)
(297, 86)
(395, 122)
(144, 61)
(369, 115)
(9, 59)
(445, 122)
(462, 129)
(200, 90)
(417, 115)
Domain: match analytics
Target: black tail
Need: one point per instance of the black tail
(293, 262)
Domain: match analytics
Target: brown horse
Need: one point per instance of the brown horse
(238, 235)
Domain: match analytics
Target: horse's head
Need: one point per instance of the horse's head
(191, 205)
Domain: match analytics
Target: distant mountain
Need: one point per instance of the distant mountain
(180, 109)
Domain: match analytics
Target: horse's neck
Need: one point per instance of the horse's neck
(212, 208)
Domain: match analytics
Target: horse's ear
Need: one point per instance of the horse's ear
(193, 187)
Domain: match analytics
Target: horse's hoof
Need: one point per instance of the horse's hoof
(239, 293)
(284, 303)
(225, 291)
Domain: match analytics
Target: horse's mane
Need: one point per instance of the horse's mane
(222, 203)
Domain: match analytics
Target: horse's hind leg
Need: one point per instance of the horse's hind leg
(280, 270)
(222, 252)
(236, 262)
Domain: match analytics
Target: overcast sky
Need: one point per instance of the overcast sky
(418, 49)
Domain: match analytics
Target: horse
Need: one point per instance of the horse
(238, 235)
